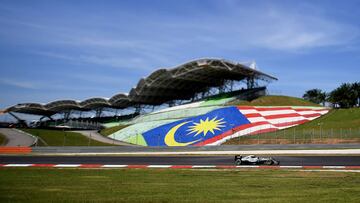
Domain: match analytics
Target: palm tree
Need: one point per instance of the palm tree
(316, 96)
(344, 96)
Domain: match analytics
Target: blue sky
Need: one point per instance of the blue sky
(79, 49)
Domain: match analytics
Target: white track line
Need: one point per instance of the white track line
(114, 166)
(67, 165)
(159, 166)
(290, 166)
(17, 165)
(335, 167)
(203, 166)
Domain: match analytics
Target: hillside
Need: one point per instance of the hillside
(274, 100)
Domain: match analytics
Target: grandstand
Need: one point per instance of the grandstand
(197, 80)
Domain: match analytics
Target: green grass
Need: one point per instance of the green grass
(111, 130)
(337, 126)
(274, 100)
(137, 185)
(3, 139)
(63, 138)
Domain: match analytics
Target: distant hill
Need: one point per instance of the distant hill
(274, 101)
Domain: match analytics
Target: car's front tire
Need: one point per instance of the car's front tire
(238, 162)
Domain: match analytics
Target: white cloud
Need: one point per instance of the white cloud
(298, 32)
(20, 83)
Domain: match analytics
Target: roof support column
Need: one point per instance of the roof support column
(138, 108)
(98, 112)
(20, 121)
(171, 103)
(250, 82)
(67, 115)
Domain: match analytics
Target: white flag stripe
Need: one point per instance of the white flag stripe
(307, 112)
(256, 119)
(276, 112)
(286, 120)
(323, 112)
(248, 111)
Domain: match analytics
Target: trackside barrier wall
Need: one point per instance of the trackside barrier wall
(15, 150)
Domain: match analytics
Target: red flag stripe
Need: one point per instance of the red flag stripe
(282, 116)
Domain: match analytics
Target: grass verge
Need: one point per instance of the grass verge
(337, 126)
(108, 131)
(84, 185)
(3, 140)
(63, 138)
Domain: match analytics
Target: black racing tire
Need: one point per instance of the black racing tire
(238, 162)
(276, 162)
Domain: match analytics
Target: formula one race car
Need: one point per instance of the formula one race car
(255, 160)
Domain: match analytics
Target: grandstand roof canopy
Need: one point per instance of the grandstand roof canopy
(161, 86)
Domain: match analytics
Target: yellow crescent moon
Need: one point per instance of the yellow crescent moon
(170, 136)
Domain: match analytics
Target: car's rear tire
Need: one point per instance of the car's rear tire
(268, 162)
(238, 162)
(276, 162)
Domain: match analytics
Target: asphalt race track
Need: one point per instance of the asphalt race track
(178, 160)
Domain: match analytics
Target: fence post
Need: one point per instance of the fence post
(320, 133)
(350, 132)
(341, 133)
(284, 134)
(302, 137)
(312, 135)
(136, 137)
(89, 140)
(294, 134)
(64, 141)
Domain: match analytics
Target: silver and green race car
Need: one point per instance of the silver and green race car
(255, 160)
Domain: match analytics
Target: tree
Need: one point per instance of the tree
(356, 89)
(316, 96)
(345, 96)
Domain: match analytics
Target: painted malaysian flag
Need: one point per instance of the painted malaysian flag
(220, 125)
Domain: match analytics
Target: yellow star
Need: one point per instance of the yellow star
(204, 126)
